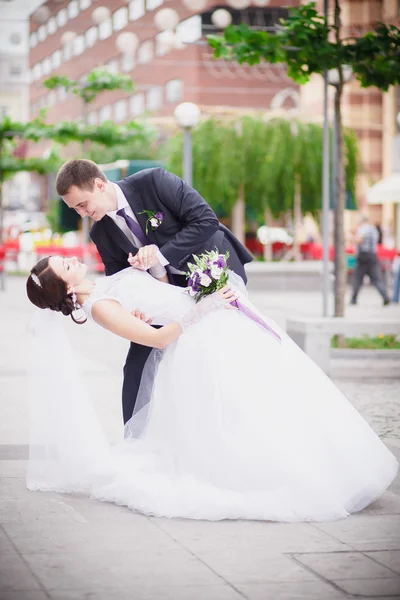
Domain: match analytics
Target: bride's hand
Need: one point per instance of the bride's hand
(139, 315)
(228, 296)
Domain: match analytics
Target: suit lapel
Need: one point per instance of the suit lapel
(135, 201)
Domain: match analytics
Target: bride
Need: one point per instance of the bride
(232, 421)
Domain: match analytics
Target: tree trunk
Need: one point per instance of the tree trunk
(238, 216)
(268, 247)
(297, 221)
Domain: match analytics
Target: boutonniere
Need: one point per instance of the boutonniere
(154, 219)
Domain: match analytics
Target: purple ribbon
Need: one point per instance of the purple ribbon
(249, 313)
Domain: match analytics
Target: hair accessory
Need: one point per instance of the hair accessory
(74, 300)
(36, 279)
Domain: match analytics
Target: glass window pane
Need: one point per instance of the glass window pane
(105, 29)
(154, 98)
(33, 40)
(120, 18)
(136, 9)
(120, 110)
(92, 118)
(67, 51)
(73, 9)
(46, 66)
(56, 59)
(42, 33)
(174, 90)
(91, 36)
(136, 104)
(189, 30)
(105, 113)
(84, 4)
(51, 26)
(145, 52)
(165, 42)
(152, 4)
(61, 17)
(79, 45)
(127, 62)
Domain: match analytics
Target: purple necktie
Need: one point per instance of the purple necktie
(133, 226)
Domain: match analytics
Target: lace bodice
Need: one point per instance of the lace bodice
(137, 289)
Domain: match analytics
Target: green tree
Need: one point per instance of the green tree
(270, 163)
(308, 44)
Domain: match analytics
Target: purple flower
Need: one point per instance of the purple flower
(159, 215)
(220, 262)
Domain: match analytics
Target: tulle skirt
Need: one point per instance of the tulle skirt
(242, 426)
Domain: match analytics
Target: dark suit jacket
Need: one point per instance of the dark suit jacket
(189, 226)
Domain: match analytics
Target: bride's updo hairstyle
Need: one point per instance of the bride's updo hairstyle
(46, 290)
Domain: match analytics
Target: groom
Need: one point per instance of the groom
(156, 217)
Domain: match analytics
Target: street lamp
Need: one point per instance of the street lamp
(334, 80)
(187, 115)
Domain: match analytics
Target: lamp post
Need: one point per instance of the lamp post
(187, 115)
(334, 80)
(325, 190)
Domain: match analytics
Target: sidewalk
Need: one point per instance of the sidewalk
(72, 548)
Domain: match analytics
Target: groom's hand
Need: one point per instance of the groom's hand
(139, 315)
(145, 258)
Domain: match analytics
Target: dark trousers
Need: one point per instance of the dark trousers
(368, 264)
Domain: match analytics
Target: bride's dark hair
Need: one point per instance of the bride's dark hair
(46, 290)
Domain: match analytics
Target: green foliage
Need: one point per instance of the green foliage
(381, 342)
(265, 159)
(305, 42)
(142, 146)
(97, 82)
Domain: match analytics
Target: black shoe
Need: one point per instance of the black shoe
(386, 302)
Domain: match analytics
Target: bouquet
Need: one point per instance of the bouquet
(209, 274)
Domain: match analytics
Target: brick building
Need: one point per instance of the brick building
(166, 68)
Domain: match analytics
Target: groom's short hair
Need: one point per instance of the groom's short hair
(81, 173)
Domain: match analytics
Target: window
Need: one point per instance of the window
(152, 4)
(15, 70)
(127, 62)
(61, 17)
(112, 66)
(105, 113)
(105, 29)
(136, 9)
(91, 36)
(92, 118)
(46, 66)
(3, 111)
(174, 90)
(73, 9)
(120, 18)
(51, 26)
(136, 105)
(145, 52)
(189, 30)
(33, 40)
(120, 111)
(62, 94)
(67, 51)
(84, 4)
(79, 45)
(165, 41)
(42, 33)
(154, 98)
(56, 59)
(37, 71)
(51, 98)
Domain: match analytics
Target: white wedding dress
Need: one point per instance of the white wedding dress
(233, 424)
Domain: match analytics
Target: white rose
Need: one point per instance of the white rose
(216, 271)
(205, 280)
(154, 222)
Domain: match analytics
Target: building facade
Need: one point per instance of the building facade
(167, 67)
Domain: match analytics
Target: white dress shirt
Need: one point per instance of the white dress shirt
(157, 271)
